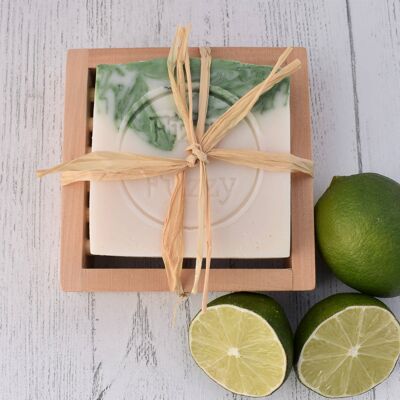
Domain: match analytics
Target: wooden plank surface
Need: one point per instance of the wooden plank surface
(107, 346)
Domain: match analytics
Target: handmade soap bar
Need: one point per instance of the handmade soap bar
(134, 112)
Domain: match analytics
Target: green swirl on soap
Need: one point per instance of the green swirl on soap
(120, 87)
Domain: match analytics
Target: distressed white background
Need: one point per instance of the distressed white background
(112, 346)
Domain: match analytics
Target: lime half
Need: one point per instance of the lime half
(346, 345)
(243, 342)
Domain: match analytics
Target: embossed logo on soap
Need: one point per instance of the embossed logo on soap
(232, 188)
(221, 188)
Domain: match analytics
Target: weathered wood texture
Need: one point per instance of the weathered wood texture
(55, 345)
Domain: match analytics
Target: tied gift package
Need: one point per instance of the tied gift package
(134, 111)
(215, 133)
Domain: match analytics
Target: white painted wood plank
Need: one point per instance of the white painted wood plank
(376, 59)
(44, 334)
(376, 41)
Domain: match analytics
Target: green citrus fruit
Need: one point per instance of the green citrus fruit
(243, 341)
(346, 345)
(358, 232)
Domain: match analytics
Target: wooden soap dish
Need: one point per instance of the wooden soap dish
(81, 271)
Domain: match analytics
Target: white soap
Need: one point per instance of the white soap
(134, 112)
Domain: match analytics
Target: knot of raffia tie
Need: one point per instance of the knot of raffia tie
(196, 153)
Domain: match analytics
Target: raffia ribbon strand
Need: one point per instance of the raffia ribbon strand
(173, 236)
(106, 166)
(112, 166)
(263, 160)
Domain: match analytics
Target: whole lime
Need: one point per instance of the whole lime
(358, 232)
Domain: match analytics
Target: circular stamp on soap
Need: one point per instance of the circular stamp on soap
(232, 187)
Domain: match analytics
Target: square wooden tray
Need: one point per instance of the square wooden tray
(295, 273)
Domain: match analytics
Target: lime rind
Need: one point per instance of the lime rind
(338, 348)
(357, 225)
(239, 351)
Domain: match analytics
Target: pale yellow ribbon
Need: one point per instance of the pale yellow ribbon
(102, 165)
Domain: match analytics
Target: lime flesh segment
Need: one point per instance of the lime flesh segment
(350, 352)
(238, 349)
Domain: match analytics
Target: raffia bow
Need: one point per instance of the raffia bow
(202, 149)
